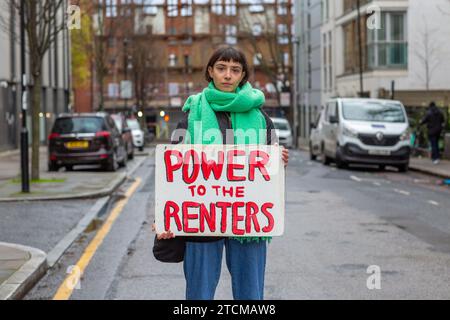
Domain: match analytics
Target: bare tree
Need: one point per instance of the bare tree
(44, 20)
(270, 45)
(426, 52)
(147, 62)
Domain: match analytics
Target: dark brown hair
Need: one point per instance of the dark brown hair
(228, 54)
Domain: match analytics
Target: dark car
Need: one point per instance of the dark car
(127, 135)
(85, 138)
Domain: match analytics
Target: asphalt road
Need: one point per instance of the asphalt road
(340, 226)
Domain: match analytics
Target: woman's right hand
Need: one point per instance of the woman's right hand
(165, 235)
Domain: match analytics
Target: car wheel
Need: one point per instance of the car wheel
(341, 164)
(403, 167)
(141, 149)
(69, 168)
(123, 163)
(53, 167)
(112, 163)
(382, 167)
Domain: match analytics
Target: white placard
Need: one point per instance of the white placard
(219, 190)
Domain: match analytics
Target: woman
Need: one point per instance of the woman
(228, 103)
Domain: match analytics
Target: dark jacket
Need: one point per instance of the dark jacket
(224, 120)
(434, 120)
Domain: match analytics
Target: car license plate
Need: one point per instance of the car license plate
(77, 145)
(380, 152)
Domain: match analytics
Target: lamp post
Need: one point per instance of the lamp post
(361, 83)
(24, 132)
(125, 65)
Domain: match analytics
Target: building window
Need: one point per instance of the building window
(230, 34)
(282, 8)
(113, 90)
(257, 59)
(111, 8)
(174, 88)
(230, 7)
(148, 7)
(283, 37)
(388, 46)
(257, 29)
(172, 60)
(172, 8)
(256, 6)
(216, 6)
(186, 8)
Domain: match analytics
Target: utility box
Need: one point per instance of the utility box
(447, 146)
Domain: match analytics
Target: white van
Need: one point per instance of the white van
(366, 131)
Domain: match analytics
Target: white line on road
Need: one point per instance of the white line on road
(406, 193)
(377, 184)
(434, 203)
(354, 178)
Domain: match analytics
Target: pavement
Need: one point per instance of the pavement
(21, 267)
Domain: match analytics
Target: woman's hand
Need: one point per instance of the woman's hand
(165, 235)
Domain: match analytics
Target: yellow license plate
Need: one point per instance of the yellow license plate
(77, 145)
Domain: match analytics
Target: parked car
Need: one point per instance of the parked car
(127, 137)
(315, 137)
(85, 138)
(283, 131)
(137, 133)
(366, 131)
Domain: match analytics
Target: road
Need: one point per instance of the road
(340, 226)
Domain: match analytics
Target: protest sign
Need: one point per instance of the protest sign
(219, 190)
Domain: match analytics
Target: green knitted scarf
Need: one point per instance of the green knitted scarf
(244, 106)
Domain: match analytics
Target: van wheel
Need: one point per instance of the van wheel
(312, 156)
(382, 167)
(403, 168)
(69, 168)
(325, 160)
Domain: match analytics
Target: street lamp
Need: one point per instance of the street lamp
(125, 65)
(24, 131)
(361, 83)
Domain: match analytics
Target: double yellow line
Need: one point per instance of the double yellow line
(66, 289)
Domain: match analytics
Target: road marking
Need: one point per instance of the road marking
(377, 184)
(406, 193)
(66, 289)
(434, 203)
(354, 178)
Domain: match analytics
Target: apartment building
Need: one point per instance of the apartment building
(178, 37)
(404, 47)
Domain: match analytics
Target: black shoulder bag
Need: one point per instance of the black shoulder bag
(169, 250)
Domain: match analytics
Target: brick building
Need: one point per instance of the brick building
(155, 52)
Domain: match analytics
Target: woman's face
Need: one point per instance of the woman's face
(226, 75)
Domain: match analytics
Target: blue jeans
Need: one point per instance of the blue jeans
(246, 263)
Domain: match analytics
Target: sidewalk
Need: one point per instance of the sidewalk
(59, 185)
(20, 268)
(426, 166)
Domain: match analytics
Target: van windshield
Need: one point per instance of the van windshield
(373, 111)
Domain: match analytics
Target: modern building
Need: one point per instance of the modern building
(157, 50)
(404, 46)
(56, 79)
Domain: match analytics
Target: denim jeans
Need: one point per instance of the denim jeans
(434, 142)
(246, 263)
